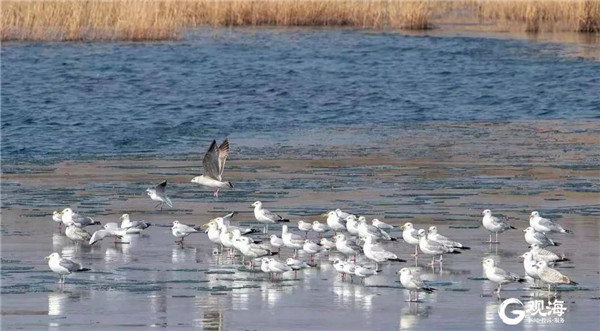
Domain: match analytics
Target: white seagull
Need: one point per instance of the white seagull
(133, 227)
(334, 222)
(534, 237)
(214, 164)
(542, 254)
(545, 225)
(435, 236)
(382, 225)
(494, 225)
(70, 217)
(412, 282)
(377, 254)
(63, 266)
(434, 248)
(181, 230)
(411, 236)
(159, 193)
(498, 275)
(265, 216)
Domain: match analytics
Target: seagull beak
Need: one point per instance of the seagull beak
(206, 225)
(325, 215)
(521, 256)
(402, 227)
(47, 257)
(524, 230)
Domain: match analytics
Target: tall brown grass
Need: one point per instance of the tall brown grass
(169, 19)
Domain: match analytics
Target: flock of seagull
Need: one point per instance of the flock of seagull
(358, 242)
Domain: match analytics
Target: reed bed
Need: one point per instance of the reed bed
(74, 20)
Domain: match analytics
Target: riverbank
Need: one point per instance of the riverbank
(130, 20)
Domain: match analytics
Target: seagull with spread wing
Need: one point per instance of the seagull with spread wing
(159, 193)
(214, 164)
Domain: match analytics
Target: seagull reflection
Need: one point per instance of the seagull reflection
(183, 254)
(411, 314)
(213, 316)
(58, 241)
(58, 301)
(158, 308)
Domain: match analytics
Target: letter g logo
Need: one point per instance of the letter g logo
(520, 313)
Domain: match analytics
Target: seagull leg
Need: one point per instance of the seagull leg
(216, 194)
(496, 237)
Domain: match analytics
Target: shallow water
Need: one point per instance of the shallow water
(430, 130)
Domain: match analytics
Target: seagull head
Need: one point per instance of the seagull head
(407, 226)
(525, 255)
(53, 256)
(67, 211)
(541, 264)
(529, 230)
(535, 246)
(124, 217)
(403, 271)
(421, 233)
(488, 262)
(487, 212)
(175, 222)
(433, 229)
(362, 219)
(256, 204)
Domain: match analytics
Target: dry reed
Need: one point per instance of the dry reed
(72, 20)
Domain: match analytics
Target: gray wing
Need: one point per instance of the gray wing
(414, 233)
(223, 153)
(228, 217)
(541, 237)
(271, 215)
(161, 188)
(210, 163)
(69, 265)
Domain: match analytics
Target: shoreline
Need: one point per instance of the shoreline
(127, 20)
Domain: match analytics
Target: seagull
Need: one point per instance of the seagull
(364, 272)
(338, 265)
(304, 226)
(433, 248)
(70, 217)
(435, 236)
(264, 266)
(498, 275)
(108, 230)
(63, 266)
(545, 225)
(377, 254)
(349, 269)
(181, 230)
(133, 227)
(265, 216)
(542, 254)
(411, 236)
(341, 214)
(226, 220)
(276, 242)
(552, 276)
(327, 243)
(159, 193)
(226, 238)
(214, 164)
(319, 227)
(311, 248)
(77, 234)
(253, 251)
(534, 237)
(529, 264)
(291, 240)
(494, 225)
(296, 264)
(278, 267)
(334, 222)
(381, 225)
(352, 225)
(412, 282)
(57, 217)
(367, 230)
(347, 247)
(213, 232)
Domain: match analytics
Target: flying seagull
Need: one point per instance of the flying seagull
(214, 164)
(159, 193)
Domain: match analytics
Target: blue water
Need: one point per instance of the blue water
(83, 100)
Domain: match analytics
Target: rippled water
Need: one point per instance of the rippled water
(73, 100)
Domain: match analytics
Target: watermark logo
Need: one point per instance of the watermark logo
(519, 314)
(536, 311)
